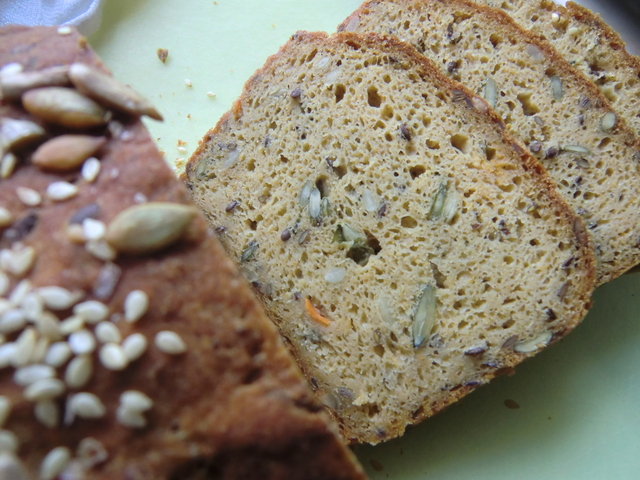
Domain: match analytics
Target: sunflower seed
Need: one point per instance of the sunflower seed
(424, 317)
(491, 92)
(150, 227)
(66, 152)
(65, 107)
(305, 193)
(13, 85)
(314, 204)
(608, 121)
(16, 134)
(110, 92)
(556, 88)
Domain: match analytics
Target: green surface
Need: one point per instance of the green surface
(579, 415)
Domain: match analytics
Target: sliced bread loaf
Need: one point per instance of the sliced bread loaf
(589, 44)
(407, 248)
(555, 110)
(154, 362)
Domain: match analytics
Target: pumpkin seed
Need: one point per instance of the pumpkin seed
(64, 106)
(66, 152)
(249, 251)
(490, 92)
(305, 193)
(110, 92)
(556, 88)
(608, 121)
(450, 207)
(425, 316)
(149, 227)
(314, 204)
(438, 202)
(533, 344)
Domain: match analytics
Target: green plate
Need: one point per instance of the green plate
(578, 403)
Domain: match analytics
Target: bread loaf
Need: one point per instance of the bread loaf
(552, 108)
(145, 356)
(589, 44)
(405, 245)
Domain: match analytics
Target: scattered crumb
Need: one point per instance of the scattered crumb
(180, 163)
(377, 466)
(273, 26)
(180, 143)
(163, 53)
(188, 115)
(188, 83)
(211, 94)
(511, 404)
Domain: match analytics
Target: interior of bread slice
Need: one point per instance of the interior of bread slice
(407, 248)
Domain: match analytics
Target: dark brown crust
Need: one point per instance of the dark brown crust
(426, 68)
(570, 75)
(234, 406)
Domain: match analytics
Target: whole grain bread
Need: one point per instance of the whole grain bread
(405, 245)
(551, 107)
(589, 44)
(216, 396)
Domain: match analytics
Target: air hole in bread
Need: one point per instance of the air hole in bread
(416, 171)
(495, 39)
(489, 152)
(408, 222)
(339, 92)
(433, 144)
(459, 142)
(373, 98)
(528, 108)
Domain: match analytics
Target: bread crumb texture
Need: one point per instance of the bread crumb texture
(407, 248)
(549, 106)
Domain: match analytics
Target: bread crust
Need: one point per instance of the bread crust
(234, 406)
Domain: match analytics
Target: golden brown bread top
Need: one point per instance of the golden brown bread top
(233, 405)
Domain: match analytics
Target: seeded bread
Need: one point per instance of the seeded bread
(212, 392)
(407, 247)
(589, 44)
(552, 108)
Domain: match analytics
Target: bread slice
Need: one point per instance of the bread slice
(589, 44)
(552, 108)
(223, 399)
(404, 244)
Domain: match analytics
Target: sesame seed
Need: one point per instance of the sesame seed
(7, 353)
(28, 196)
(130, 418)
(32, 305)
(11, 467)
(5, 409)
(90, 169)
(8, 165)
(6, 218)
(91, 452)
(19, 292)
(134, 346)
(17, 261)
(87, 405)
(75, 233)
(25, 376)
(112, 357)
(92, 311)
(40, 350)
(25, 344)
(82, 342)
(47, 413)
(12, 321)
(58, 298)
(79, 371)
(5, 305)
(55, 462)
(211, 94)
(107, 332)
(136, 305)
(181, 149)
(136, 400)
(139, 198)
(48, 326)
(8, 441)
(188, 83)
(93, 229)
(170, 342)
(72, 324)
(64, 30)
(60, 191)
(45, 389)
(58, 354)
(101, 250)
